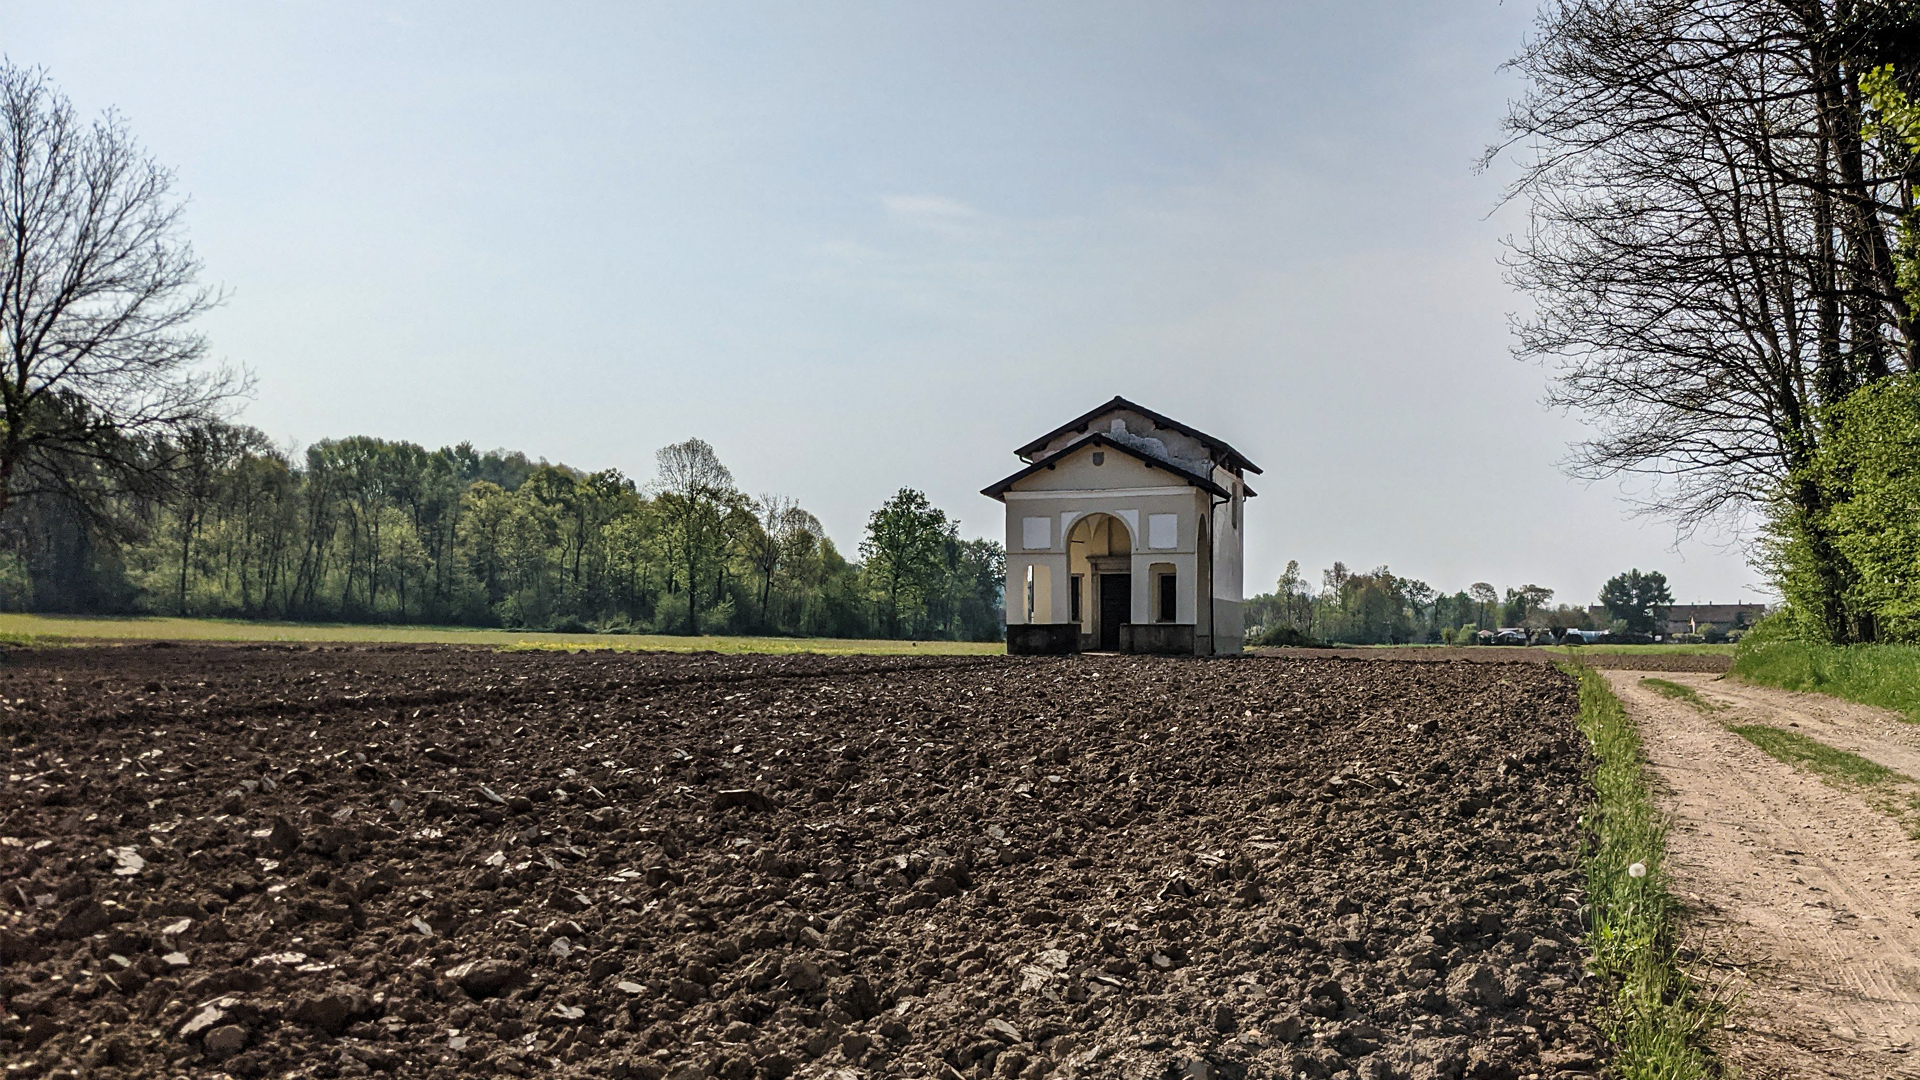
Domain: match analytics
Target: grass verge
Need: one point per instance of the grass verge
(1659, 1017)
(1894, 794)
(1678, 692)
(1883, 675)
(50, 630)
(1827, 762)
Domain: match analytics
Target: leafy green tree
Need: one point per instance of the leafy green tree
(258, 521)
(1711, 252)
(971, 602)
(694, 494)
(1295, 596)
(205, 456)
(1637, 599)
(1523, 603)
(786, 537)
(1895, 119)
(905, 551)
(1486, 604)
(1875, 530)
(371, 529)
(1365, 608)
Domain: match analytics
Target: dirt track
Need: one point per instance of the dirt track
(1809, 896)
(440, 862)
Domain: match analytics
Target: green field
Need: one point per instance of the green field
(82, 630)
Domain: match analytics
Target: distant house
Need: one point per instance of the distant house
(1690, 618)
(1124, 533)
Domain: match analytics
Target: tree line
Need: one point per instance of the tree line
(366, 529)
(1379, 607)
(1724, 261)
(125, 487)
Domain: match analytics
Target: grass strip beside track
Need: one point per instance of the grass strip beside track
(1678, 692)
(1829, 763)
(1659, 1018)
(1894, 794)
(1883, 675)
(54, 630)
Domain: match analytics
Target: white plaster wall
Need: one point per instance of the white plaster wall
(1132, 491)
(1125, 489)
(1077, 472)
(1187, 595)
(1229, 567)
(1016, 598)
(1231, 621)
(1050, 593)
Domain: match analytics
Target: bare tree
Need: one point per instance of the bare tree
(206, 455)
(97, 296)
(1709, 248)
(693, 494)
(786, 532)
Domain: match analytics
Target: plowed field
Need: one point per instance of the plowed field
(276, 861)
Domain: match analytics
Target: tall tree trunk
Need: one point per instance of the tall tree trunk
(186, 549)
(693, 589)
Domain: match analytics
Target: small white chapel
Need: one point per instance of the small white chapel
(1124, 534)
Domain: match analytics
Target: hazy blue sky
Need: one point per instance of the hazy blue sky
(859, 247)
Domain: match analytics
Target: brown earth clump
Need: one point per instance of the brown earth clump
(438, 862)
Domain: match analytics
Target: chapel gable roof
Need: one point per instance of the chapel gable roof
(1227, 456)
(1097, 439)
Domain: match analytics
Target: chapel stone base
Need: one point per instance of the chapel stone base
(1150, 639)
(1158, 639)
(1043, 639)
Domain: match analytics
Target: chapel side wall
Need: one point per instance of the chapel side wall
(1013, 604)
(1229, 568)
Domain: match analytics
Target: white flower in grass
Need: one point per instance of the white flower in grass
(1637, 870)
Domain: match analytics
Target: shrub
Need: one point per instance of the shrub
(1284, 635)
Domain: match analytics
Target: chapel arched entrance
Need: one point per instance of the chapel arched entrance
(1100, 581)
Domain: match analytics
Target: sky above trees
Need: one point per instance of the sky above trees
(859, 249)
